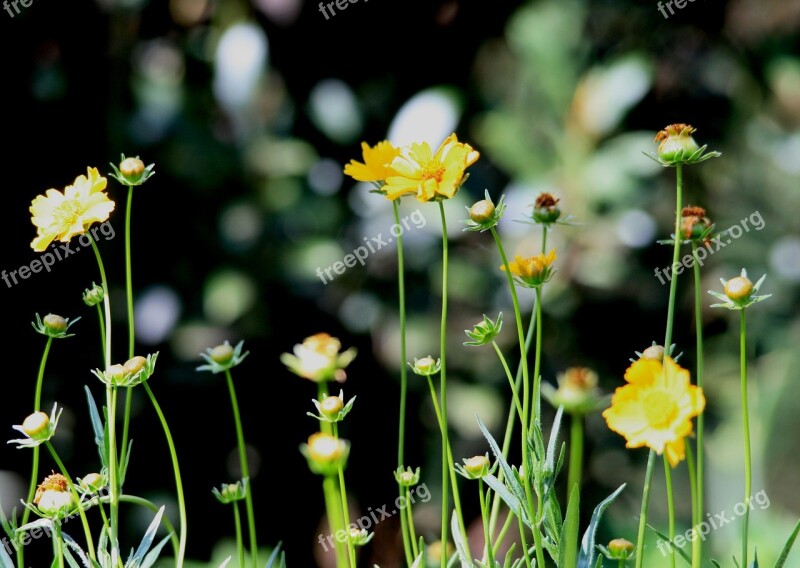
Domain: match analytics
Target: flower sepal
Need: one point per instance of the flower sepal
(332, 408)
(677, 146)
(740, 293)
(131, 171)
(484, 214)
(38, 428)
(426, 367)
(232, 492)
(484, 331)
(476, 467)
(618, 549)
(359, 536)
(223, 357)
(406, 477)
(133, 372)
(54, 326)
(94, 295)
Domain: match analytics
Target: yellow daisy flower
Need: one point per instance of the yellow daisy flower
(656, 407)
(427, 175)
(63, 215)
(377, 162)
(534, 270)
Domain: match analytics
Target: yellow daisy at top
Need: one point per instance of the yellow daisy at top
(656, 407)
(63, 215)
(429, 176)
(377, 162)
(532, 271)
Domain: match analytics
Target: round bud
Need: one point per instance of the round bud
(134, 365)
(738, 288)
(131, 167)
(35, 424)
(620, 548)
(116, 373)
(54, 324)
(482, 211)
(654, 352)
(331, 406)
(222, 354)
(92, 482)
(477, 466)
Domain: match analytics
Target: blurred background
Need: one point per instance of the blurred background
(249, 109)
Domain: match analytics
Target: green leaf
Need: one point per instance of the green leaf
(98, 427)
(511, 477)
(666, 539)
(71, 544)
(458, 538)
(277, 559)
(568, 543)
(550, 461)
(508, 498)
(417, 561)
(588, 551)
(754, 563)
(153, 555)
(787, 547)
(5, 559)
(70, 560)
(147, 540)
(715, 563)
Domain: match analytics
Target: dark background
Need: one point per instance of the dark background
(84, 82)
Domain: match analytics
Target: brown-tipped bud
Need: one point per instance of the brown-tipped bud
(53, 495)
(482, 211)
(693, 222)
(131, 167)
(54, 323)
(134, 365)
(654, 353)
(545, 208)
(35, 424)
(676, 143)
(738, 288)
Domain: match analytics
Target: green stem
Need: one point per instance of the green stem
(58, 546)
(330, 488)
(106, 306)
(690, 464)
(676, 254)
(177, 471)
(237, 521)
(499, 540)
(575, 453)
(671, 507)
(411, 532)
(142, 502)
(37, 401)
(351, 551)
(489, 553)
(537, 361)
(401, 427)
(648, 478)
(84, 521)
(514, 393)
(102, 328)
(113, 470)
(748, 470)
(524, 541)
(131, 333)
(237, 419)
(698, 510)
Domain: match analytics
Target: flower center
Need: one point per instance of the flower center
(67, 213)
(433, 170)
(659, 409)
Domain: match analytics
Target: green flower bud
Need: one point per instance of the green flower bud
(477, 466)
(131, 168)
(654, 352)
(54, 324)
(93, 296)
(545, 209)
(620, 549)
(739, 288)
(676, 143)
(222, 353)
(482, 211)
(116, 373)
(92, 482)
(330, 406)
(36, 424)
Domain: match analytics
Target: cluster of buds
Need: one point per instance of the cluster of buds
(740, 292)
(131, 171)
(319, 359)
(223, 357)
(129, 374)
(54, 326)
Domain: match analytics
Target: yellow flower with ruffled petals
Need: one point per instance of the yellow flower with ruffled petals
(656, 407)
(429, 176)
(61, 216)
(377, 162)
(532, 271)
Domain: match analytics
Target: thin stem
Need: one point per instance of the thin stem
(648, 478)
(676, 253)
(58, 546)
(177, 471)
(485, 518)
(698, 510)
(237, 521)
(84, 521)
(443, 373)
(506, 525)
(113, 471)
(411, 532)
(237, 419)
(514, 393)
(690, 465)
(524, 541)
(102, 328)
(37, 401)
(575, 453)
(748, 470)
(106, 305)
(345, 507)
(333, 503)
(671, 507)
(537, 361)
(129, 300)
(401, 427)
(142, 502)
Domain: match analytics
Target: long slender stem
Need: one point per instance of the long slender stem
(698, 509)
(537, 362)
(177, 471)
(37, 400)
(690, 465)
(106, 306)
(131, 332)
(401, 426)
(648, 479)
(330, 488)
(501, 535)
(237, 419)
(671, 508)
(58, 545)
(410, 514)
(237, 521)
(102, 328)
(748, 470)
(345, 507)
(575, 453)
(489, 553)
(84, 521)
(514, 389)
(524, 541)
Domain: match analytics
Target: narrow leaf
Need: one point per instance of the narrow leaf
(666, 539)
(588, 551)
(787, 547)
(510, 475)
(458, 538)
(568, 542)
(508, 498)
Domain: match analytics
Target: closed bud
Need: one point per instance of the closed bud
(93, 296)
(331, 406)
(54, 324)
(222, 353)
(654, 353)
(116, 373)
(477, 466)
(676, 143)
(131, 167)
(738, 288)
(482, 211)
(620, 549)
(545, 209)
(36, 424)
(92, 482)
(134, 365)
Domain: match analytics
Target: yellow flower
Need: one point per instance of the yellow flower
(427, 175)
(377, 162)
(656, 407)
(534, 270)
(63, 215)
(318, 359)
